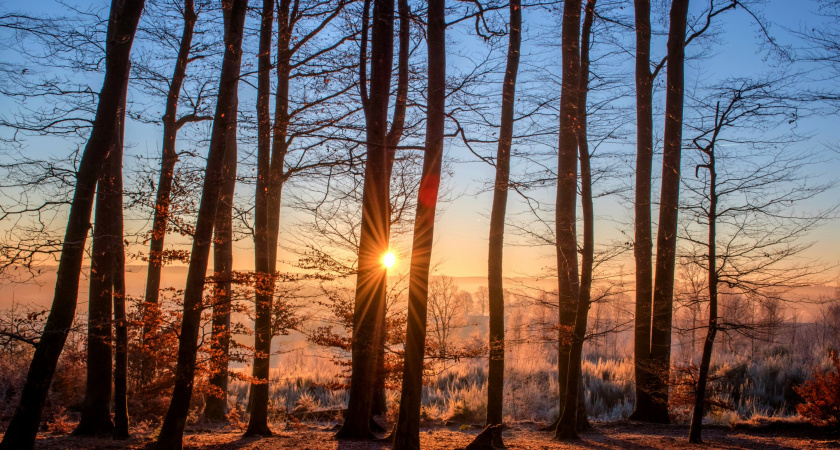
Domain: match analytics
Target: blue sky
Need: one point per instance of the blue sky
(461, 237)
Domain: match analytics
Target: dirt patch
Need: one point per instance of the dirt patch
(614, 435)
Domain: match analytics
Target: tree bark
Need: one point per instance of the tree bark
(666, 238)
(215, 409)
(587, 208)
(565, 211)
(643, 244)
(495, 277)
(171, 434)
(23, 426)
(96, 407)
(393, 140)
(694, 434)
(408, 424)
(369, 307)
(120, 321)
(273, 150)
(167, 171)
(567, 427)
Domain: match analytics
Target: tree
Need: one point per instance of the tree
(114, 168)
(407, 435)
(171, 124)
(297, 116)
(572, 418)
(666, 236)
(393, 140)
(122, 26)
(371, 275)
(445, 309)
(643, 245)
(495, 277)
(565, 209)
(263, 266)
(216, 402)
(171, 434)
(744, 205)
(107, 242)
(481, 298)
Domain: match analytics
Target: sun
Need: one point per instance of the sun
(389, 259)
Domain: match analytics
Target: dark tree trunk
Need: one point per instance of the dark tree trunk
(96, 408)
(369, 307)
(408, 424)
(694, 434)
(643, 245)
(271, 161)
(495, 276)
(380, 406)
(23, 426)
(120, 321)
(172, 430)
(167, 171)
(587, 209)
(574, 418)
(393, 140)
(565, 213)
(215, 409)
(264, 284)
(666, 238)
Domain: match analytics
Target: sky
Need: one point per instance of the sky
(462, 227)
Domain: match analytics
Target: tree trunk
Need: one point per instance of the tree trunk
(496, 371)
(23, 426)
(161, 215)
(587, 209)
(369, 307)
(565, 211)
(120, 321)
(171, 434)
(642, 248)
(666, 238)
(275, 178)
(96, 408)
(694, 434)
(216, 409)
(380, 406)
(408, 425)
(263, 263)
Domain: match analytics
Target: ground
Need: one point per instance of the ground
(614, 435)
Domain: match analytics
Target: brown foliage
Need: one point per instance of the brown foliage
(684, 389)
(822, 396)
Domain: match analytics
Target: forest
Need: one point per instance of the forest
(375, 224)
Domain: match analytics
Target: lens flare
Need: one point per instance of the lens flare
(389, 260)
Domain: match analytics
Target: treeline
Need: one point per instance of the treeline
(346, 107)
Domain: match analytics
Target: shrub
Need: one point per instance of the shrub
(822, 396)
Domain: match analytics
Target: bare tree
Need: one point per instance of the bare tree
(407, 435)
(107, 242)
(446, 312)
(666, 237)
(121, 29)
(566, 209)
(171, 435)
(216, 403)
(171, 124)
(495, 381)
(373, 243)
(306, 48)
(744, 204)
(643, 245)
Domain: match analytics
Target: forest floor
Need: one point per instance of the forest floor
(611, 435)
